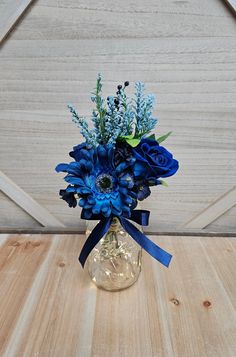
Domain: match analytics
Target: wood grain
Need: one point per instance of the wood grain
(49, 307)
(27, 203)
(10, 14)
(184, 52)
(136, 20)
(215, 210)
(13, 215)
(20, 258)
(224, 223)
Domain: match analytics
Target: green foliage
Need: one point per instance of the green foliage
(164, 137)
(100, 111)
(164, 183)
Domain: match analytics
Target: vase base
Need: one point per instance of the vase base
(115, 273)
(114, 289)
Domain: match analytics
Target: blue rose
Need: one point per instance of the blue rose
(153, 161)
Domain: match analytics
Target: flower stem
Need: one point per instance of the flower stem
(110, 241)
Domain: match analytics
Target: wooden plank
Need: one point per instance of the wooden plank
(61, 303)
(58, 20)
(27, 203)
(222, 256)
(76, 230)
(3, 238)
(10, 14)
(225, 223)
(186, 310)
(20, 260)
(199, 310)
(213, 211)
(11, 215)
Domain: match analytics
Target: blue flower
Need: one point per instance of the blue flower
(153, 161)
(141, 187)
(123, 153)
(143, 191)
(69, 197)
(103, 187)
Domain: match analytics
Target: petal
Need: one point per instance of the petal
(87, 206)
(102, 153)
(86, 154)
(74, 180)
(139, 169)
(121, 167)
(143, 193)
(91, 200)
(87, 213)
(71, 189)
(83, 190)
(82, 202)
(126, 181)
(171, 171)
(139, 156)
(96, 209)
(106, 210)
(69, 198)
(123, 190)
(128, 200)
(117, 211)
(61, 167)
(86, 165)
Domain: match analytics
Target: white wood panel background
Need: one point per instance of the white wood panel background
(10, 14)
(185, 52)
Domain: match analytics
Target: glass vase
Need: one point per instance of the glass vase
(115, 262)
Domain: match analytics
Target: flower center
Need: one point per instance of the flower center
(104, 183)
(161, 159)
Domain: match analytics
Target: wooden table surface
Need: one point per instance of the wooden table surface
(49, 307)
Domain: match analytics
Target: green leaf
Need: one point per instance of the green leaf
(130, 139)
(125, 138)
(164, 183)
(164, 137)
(120, 139)
(131, 136)
(133, 142)
(152, 137)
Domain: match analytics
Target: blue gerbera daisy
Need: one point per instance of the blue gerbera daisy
(101, 186)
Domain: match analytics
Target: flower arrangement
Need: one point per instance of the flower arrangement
(117, 164)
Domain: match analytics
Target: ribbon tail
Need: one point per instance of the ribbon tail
(97, 233)
(154, 250)
(140, 216)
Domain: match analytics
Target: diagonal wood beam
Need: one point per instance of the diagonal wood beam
(232, 5)
(27, 203)
(10, 14)
(213, 211)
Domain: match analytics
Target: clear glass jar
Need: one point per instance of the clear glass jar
(115, 262)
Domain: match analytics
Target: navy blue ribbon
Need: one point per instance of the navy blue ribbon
(139, 216)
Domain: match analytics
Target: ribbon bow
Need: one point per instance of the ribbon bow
(139, 216)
